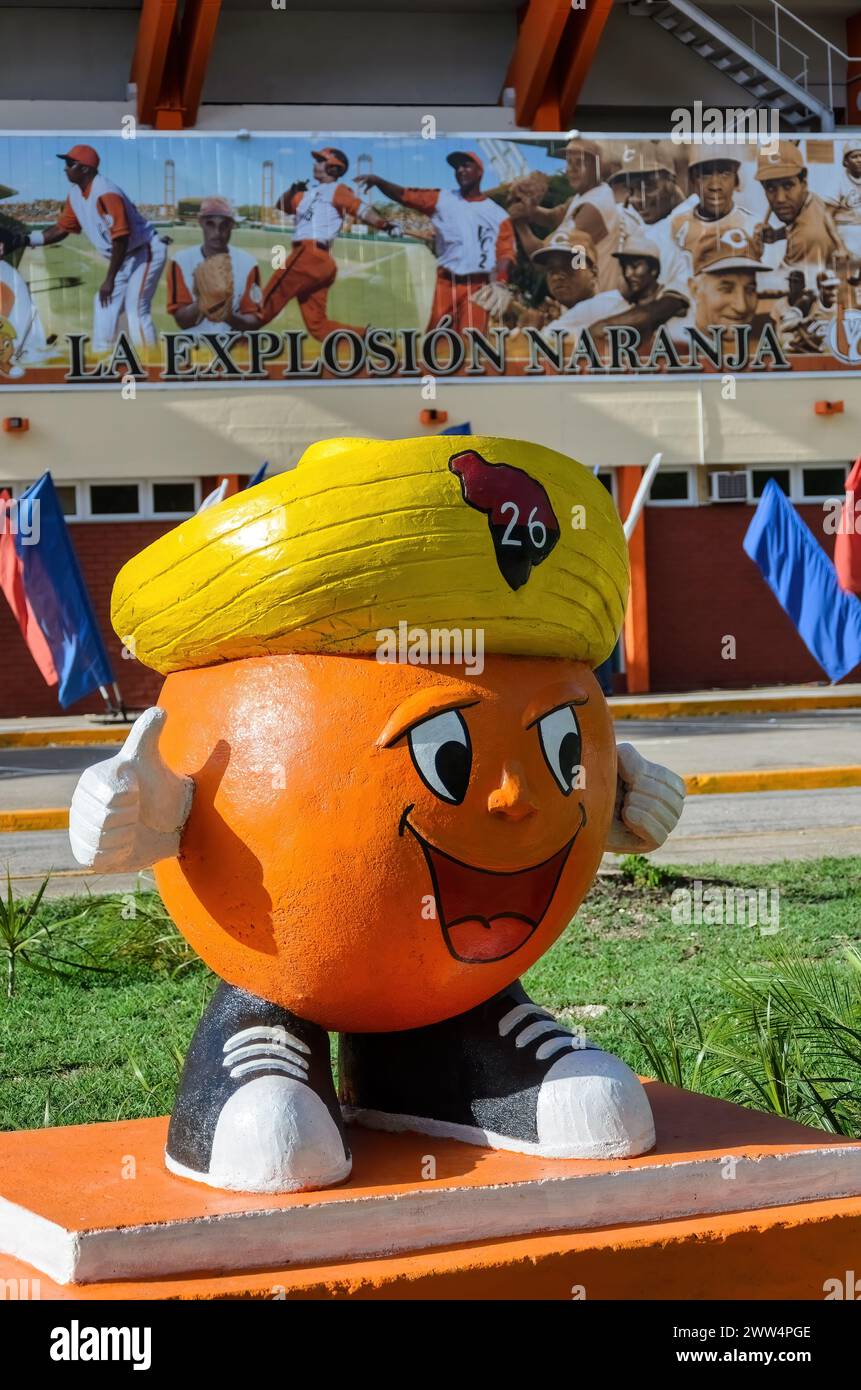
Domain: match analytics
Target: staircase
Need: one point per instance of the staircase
(767, 84)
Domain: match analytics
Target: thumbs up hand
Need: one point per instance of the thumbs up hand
(649, 802)
(128, 812)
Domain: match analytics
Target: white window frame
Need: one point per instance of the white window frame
(692, 499)
(86, 514)
(149, 501)
(146, 499)
(796, 478)
(76, 515)
(820, 465)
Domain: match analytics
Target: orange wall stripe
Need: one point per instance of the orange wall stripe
(636, 631)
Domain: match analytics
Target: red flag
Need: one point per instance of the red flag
(847, 542)
(12, 585)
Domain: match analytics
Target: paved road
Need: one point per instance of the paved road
(826, 738)
(755, 829)
(42, 777)
(33, 777)
(732, 829)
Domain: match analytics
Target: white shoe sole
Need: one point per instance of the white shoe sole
(274, 1134)
(590, 1105)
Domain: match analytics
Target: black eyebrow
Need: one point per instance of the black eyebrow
(563, 704)
(423, 718)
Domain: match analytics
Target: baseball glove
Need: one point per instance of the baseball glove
(530, 189)
(297, 186)
(13, 238)
(213, 287)
(7, 346)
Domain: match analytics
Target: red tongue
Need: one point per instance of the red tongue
(476, 940)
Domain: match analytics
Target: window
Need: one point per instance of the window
(67, 496)
(671, 485)
(760, 476)
(174, 499)
(605, 477)
(114, 499)
(820, 482)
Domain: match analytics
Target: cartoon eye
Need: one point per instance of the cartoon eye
(561, 745)
(442, 755)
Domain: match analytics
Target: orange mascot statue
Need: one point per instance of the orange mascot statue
(376, 788)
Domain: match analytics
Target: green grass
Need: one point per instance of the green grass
(624, 951)
(109, 1046)
(382, 282)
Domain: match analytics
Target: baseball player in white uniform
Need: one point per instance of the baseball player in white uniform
(310, 270)
(474, 243)
(217, 220)
(593, 209)
(135, 254)
(713, 173)
(845, 202)
(20, 324)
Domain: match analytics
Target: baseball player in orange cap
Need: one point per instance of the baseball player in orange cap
(474, 240)
(243, 298)
(135, 254)
(310, 270)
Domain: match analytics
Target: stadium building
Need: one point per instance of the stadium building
(726, 337)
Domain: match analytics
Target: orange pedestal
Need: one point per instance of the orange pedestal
(731, 1204)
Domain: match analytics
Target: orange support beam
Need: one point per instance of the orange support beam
(584, 30)
(199, 23)
(530, 70)
(156, 30)
(636, 631)
(170, 60)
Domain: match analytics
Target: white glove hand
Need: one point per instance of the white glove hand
(494, 297)
(128, 812)
(648, 804)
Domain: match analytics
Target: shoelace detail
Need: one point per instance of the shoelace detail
(546, 1024)
(266, 1049)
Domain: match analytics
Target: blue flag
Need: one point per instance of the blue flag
(458, 429)
(804, 582)
(258, 476)
(57, 595)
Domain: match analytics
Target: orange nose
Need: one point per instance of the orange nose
(512, 798)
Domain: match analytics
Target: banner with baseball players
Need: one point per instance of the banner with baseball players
(184, 259)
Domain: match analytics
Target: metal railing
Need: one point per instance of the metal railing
(833, 52)
(779, 45)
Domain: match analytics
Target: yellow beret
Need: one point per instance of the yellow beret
(442, 532)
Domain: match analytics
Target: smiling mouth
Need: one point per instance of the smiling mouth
(486, 915)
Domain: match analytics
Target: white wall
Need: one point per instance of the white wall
(166, 433)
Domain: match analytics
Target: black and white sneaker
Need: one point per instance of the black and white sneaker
(505, 1075)
(256, 1109)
